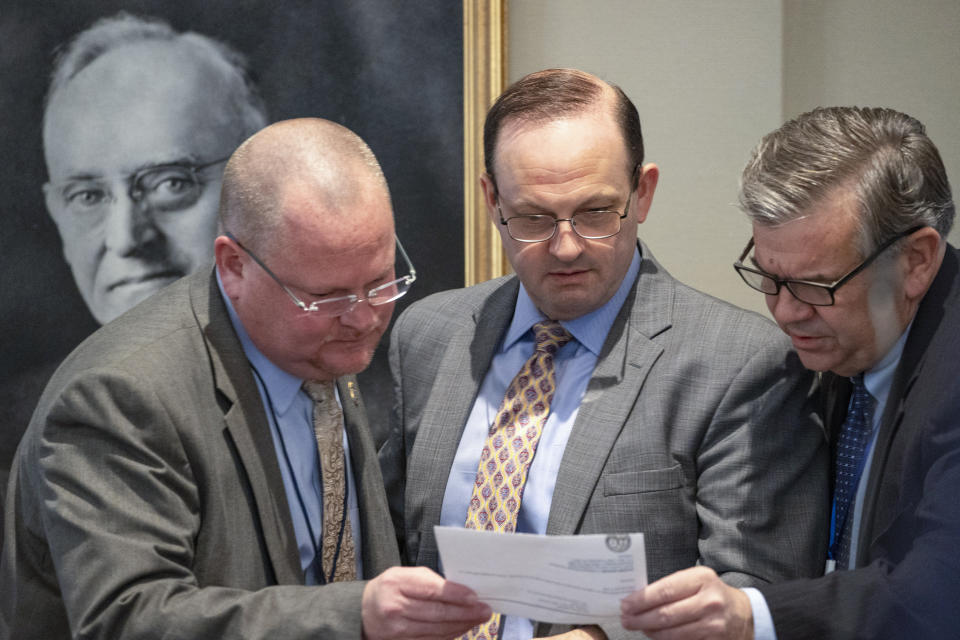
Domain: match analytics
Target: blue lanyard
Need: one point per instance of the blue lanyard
(317, 563)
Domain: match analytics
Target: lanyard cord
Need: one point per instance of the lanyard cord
(317, 558)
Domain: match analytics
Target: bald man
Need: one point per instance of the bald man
(201, 467)
(138, 124)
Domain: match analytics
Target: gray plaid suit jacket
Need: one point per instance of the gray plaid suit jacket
(146, 499)
(698, 428)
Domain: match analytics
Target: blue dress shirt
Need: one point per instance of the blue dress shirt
(573, 367)
(290, 414)
(878, 381)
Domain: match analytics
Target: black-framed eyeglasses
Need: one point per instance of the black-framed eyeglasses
(162, 187)
(333, 307)
(592, 224)
(818, 294)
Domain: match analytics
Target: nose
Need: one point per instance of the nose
(362, 317)
(127, 226)
(786, 309)
(566, 245)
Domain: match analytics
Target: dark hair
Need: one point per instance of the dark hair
(884, 156)
(555, 93)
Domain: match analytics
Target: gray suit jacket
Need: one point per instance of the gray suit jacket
(697, 428)
(146, 499)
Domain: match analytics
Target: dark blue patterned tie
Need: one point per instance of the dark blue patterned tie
(851, 447)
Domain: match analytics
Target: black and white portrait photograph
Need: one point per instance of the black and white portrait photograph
(120, 116)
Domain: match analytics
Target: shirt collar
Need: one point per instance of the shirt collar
(590, 330)
(282, 387)
(879, 378)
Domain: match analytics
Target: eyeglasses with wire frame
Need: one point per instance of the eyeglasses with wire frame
(163, 187)
(590, 224)
(333, 307)
(818, 294)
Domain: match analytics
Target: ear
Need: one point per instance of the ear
(230, 264)
(490, 198)
(920, 257)
(646, 185)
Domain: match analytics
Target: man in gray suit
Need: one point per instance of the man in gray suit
(674, 414)
(170, 483)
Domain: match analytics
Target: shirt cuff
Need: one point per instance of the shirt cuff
(762, 620)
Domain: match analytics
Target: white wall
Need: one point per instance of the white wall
(710, 78)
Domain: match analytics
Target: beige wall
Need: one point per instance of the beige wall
(710, 78)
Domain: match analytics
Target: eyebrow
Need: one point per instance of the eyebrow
(818, 278)
(188, 160)
(604, 201)
(340, 291)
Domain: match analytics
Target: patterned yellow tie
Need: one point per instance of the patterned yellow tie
(337, 550)
(510, 446)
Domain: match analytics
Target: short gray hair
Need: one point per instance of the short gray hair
(333, 160)
(884, 156)
(123, 28)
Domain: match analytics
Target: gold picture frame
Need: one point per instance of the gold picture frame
(484, 77)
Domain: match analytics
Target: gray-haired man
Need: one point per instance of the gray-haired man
(851, 209)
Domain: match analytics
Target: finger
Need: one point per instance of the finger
(421, 583)
(474, 612)
(707, 605)
(677, 586)
(700, 629)
(439, 629)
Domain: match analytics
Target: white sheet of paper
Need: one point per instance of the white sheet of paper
(562, 579)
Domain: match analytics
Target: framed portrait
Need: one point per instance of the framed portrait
(413, 79)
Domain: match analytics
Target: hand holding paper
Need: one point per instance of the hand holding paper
(563, 579)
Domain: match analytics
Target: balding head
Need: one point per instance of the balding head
(138, 123)
(307, 219)
(293, 164)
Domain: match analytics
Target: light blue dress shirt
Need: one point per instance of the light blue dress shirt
(573, 366)
(290, 414)
(878, 381)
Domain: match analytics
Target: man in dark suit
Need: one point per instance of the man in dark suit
(851, 209)
(201, 467)
(675, 415)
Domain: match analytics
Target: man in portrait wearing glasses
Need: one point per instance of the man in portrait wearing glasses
(851, 208)
(139, 121)
(674, 414)
(201, 467)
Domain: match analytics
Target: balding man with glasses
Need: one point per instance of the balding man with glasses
(592, 392)
(138, 123)
(201, 467)
(851, 208)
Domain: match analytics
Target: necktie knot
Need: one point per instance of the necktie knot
(319, 392)
(550, 336)
(324, 400)
(862, 404)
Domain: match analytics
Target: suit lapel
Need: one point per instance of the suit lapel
(938, 303)
(458, 379)
(378, 544)
(628, 354)
(246, 422)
